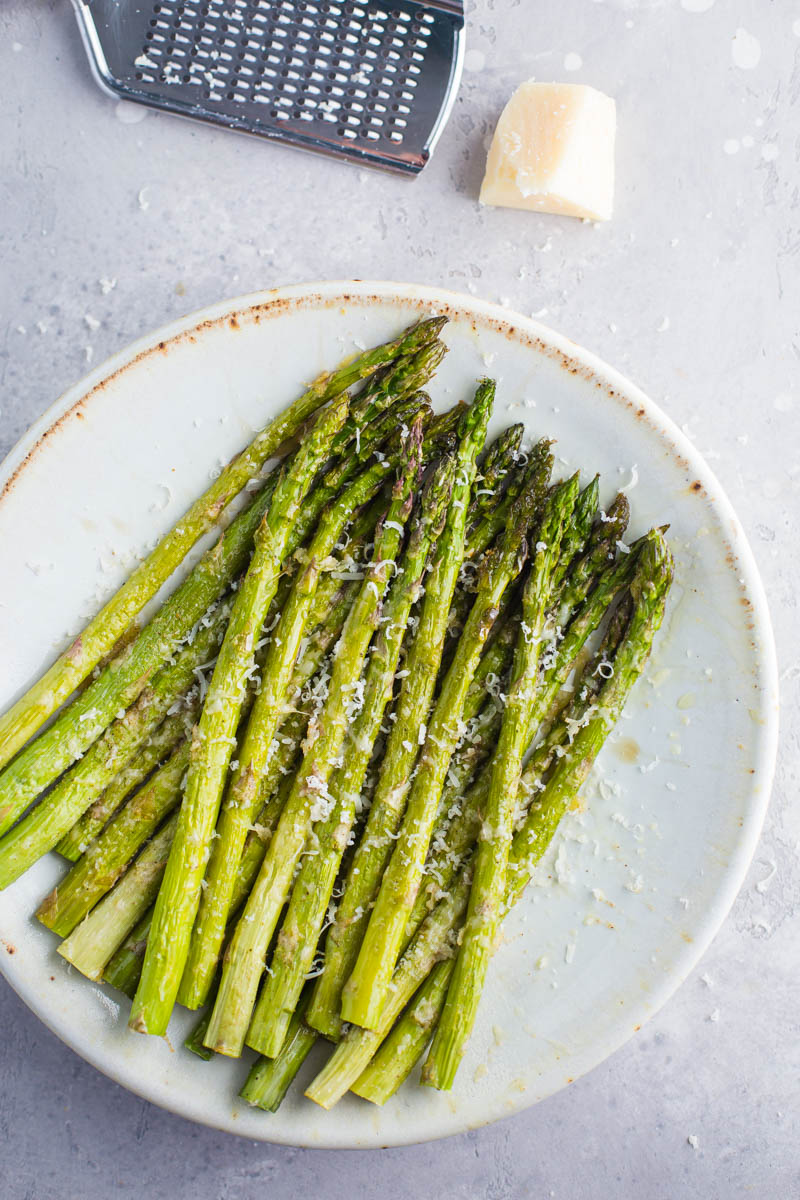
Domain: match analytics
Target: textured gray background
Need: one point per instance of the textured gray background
(693, 290)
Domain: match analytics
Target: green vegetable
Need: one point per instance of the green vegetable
(244, 959)
(437, 936)
(311, 893)
(411, 713)
(213, 738)
(496, 830)
(364, 993)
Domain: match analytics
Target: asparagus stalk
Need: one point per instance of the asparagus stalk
(405, 374)
(498, 654)
(41, 700)
(256, 747)
(496, 831)
(495, 519)
(436, 937)
(396, 1057)
(270, 1078)
(124, 966)
(411, 713)
(96, 872)
(312, 891)
(400, 384)
(601, 549)
(493, 473)
(213, 737)
(244, 959)
(92, 943)
(194, 1039)
(364, 994)
(173, 729)
(576, 533)
(313, 886)
(47, 823)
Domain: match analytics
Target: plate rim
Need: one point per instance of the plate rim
(764, 746)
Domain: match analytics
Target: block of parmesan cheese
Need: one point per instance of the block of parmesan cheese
(553, 151)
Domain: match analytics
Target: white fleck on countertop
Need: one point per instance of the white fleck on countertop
(115, 220)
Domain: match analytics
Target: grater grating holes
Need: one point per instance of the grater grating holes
(332, 62)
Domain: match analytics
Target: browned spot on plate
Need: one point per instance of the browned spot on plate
(627, 749)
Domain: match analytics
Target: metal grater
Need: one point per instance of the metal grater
(370, 82)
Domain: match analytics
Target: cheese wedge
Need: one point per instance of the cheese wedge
(553, 151)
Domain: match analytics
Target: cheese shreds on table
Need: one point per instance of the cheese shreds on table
(553, 152)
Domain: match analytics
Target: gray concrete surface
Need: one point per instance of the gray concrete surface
(693, 290)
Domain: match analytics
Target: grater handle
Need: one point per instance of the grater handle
(454, 8)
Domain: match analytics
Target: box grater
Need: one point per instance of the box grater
(370, 82)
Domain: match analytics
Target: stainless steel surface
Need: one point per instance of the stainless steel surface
(370, 82)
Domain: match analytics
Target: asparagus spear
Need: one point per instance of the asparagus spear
(124, 966)
(496, 518)
(576, 533)
(92, 943)
(194, 1039)
(44, 697)
(244, 959)
(411, 712)
(270, 1078)
(214, 906)
(173, 729)
(401, 383)
(47, 823)
(600, 550)
(437, 936)
(493, 473)
(96, 872)
(331, 606)
(255, 750)
(213, 737)
(400, 378)
(363, 995)
(396, 1057)
(482, 533)
(313, 886)
(496, 831)
(498, 654)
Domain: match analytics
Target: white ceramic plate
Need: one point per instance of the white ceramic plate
(639, 881)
